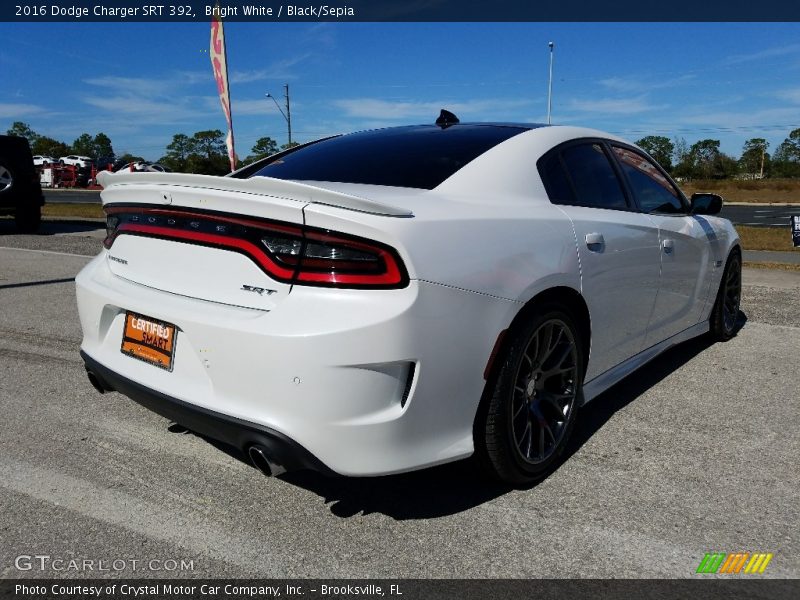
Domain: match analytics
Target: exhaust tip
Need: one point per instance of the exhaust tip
(259, 457)
(93, 379)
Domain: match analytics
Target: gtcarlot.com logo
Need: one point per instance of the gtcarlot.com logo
(735, 563)
(45, 562)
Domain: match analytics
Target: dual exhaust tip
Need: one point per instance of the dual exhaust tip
(261, 460)
(97, 383)
(260, 456)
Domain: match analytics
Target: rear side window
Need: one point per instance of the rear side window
(654, 192)
(594, 180)
(417, 157)
(559, 189)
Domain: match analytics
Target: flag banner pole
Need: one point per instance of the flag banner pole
(219, 62)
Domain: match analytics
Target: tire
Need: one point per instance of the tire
(28, 218)
(6, 178)
(726, 307)
(532, 403)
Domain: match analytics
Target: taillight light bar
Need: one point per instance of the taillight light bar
(286, 252)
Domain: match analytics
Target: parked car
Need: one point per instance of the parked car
(20, 190)
(41, 160)
(142, 166)
(389, 300)
(75, 160)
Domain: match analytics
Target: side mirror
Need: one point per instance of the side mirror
(705, 203)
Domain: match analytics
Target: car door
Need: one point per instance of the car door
(618, 249)
(686, 241)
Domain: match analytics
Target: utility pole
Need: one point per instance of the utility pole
(763, 152)
(550, 85)
(286, 115)
(288, 112)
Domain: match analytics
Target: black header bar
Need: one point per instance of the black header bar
(409, 11)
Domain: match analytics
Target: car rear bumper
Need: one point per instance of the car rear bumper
(367, 382)
(235, 432)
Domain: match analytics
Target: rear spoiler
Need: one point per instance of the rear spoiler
(260, 186)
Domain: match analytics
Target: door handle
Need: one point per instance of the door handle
(669, 246)
(595, 242)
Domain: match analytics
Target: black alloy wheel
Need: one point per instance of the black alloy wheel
(534, 400)
(725, 313)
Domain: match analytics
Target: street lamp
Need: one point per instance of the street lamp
(286, 115)
(550, 85)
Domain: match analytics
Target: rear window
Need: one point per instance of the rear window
(416, 157)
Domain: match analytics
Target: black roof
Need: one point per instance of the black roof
(418, 156)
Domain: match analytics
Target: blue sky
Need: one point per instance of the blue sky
(140, 83)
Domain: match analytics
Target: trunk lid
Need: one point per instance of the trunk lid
(200, 236)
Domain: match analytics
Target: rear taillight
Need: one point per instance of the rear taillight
(289, 253)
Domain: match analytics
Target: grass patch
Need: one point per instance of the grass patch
(65, 209)
(778, 239)
(760, 191)
(771, 265)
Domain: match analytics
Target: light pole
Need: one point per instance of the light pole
(286, 115)
(550, 85)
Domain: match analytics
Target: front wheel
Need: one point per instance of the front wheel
(534, 399)
(726, 308)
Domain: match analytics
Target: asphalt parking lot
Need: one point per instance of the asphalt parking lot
(696, 453)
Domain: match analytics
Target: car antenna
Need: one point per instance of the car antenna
(446, 118)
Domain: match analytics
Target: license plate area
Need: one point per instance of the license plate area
(149, 340)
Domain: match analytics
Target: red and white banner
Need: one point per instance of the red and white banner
(220, 64)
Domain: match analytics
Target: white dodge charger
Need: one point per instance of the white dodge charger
(388, 300)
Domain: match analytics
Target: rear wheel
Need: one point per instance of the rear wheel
(726, 308)
(534, 400)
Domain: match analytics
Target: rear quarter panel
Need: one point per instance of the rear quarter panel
(507, 250)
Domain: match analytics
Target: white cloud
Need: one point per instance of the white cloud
(767, 53)
(147, 111)
(14, 111)
(635, 84)
(281, 69)
(614, 106)
(138, 86)
(789, 95)
(770, 119)
(375, 108)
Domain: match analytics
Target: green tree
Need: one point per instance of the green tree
(209, 143)
(287, 146)
(754, 159)
(681, 159)
(103, 147)
(21, 129)
(178, 152)
(660, 148)
(208, 155)
(263, 147)
(47, 146)
(793, 144)
(83, 145)
(127, 157)
(786, 160)
(724, 166)
(703, 155)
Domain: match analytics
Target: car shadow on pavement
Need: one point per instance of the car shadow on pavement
(453, 488)
(7, 227)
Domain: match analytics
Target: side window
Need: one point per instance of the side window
(558, 187)
(593, 178)
(654, 192)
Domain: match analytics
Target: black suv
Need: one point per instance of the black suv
(20, 190)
